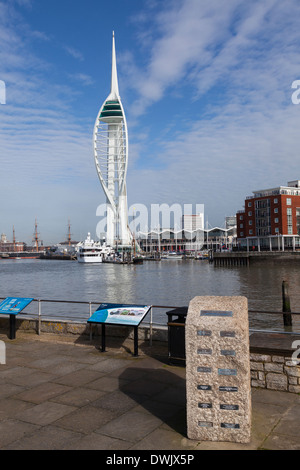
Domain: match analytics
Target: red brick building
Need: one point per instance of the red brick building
(271, 219)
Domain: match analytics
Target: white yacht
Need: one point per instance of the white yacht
(172, 255)
(90, 251)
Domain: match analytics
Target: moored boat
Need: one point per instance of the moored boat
(172, 255)
(90, 251)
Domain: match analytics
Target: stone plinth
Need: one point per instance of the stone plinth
(218, 369)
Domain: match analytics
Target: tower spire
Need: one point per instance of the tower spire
(111, 158)
(114, 92)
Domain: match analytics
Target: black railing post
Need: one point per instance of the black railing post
(286, 305)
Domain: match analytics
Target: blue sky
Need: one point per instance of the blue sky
(206, 88)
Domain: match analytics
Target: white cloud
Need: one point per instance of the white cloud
(74, 53)
(44, 148)
(232, 63)
(237, 63)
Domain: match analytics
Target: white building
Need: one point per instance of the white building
(192, 222)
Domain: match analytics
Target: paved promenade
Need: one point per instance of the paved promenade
(61, 394)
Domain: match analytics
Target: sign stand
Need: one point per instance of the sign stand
(121, 315)
(12, 306)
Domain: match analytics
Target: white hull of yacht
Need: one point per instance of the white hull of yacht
(88, 258)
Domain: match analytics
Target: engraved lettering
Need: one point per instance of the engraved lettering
(204, 387)
(228, 389)
(227, 352)
(229, 407)
(204, 369)
(204, 333)
(204, 405)
(205, 424)
(230, 425)
(227, 334)
(206, 351)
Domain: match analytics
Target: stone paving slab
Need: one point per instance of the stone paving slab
(61, 394)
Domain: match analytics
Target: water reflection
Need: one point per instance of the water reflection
(173, 283)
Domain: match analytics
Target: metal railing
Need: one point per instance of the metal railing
(31, 313)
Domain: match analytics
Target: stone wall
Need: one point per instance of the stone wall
(275, 373)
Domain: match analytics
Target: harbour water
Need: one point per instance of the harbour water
(167, 282)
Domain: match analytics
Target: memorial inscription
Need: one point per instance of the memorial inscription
(204, 333)
(204, 387)
(217, 344)
(206, 351)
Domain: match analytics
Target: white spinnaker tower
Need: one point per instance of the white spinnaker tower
(111, 159)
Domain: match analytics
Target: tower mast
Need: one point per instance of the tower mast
(69, 233)
(14, 238)
(36, 236)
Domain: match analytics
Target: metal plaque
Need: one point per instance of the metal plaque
(227, 371)
(204, 333)
(216, 313)
(229, 407)
(228, 389)
(230, 425)
(205, 424)
(227, 334)
(204, 351)
(227, 352)
(204, 387)
(203, 369)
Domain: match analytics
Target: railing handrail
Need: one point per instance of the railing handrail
(94, 302)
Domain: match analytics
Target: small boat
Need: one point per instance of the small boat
(202, 255)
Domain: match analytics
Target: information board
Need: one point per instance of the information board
(14, 305)
(120, 314)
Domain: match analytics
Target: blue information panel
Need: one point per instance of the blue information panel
(14, 305)
(120, 314)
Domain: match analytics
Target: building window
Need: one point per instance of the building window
(241, 217)
(250, 213)
(276, 230)
(262, 217)
(276, 220)
(289, 221)
(242, 234)
(241, 225)
(276, 210)
(288, 201)
(249, 204)
(298, 219)
(251, 232)
(275, 200)
(250, 222)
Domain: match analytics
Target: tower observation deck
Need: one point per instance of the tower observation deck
(111, 159)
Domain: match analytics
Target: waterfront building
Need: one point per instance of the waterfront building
(270, 219)
(214, 238)
(192, 222)
(110, 140)
(8, 246)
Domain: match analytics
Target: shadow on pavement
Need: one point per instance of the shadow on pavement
(159, 392)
